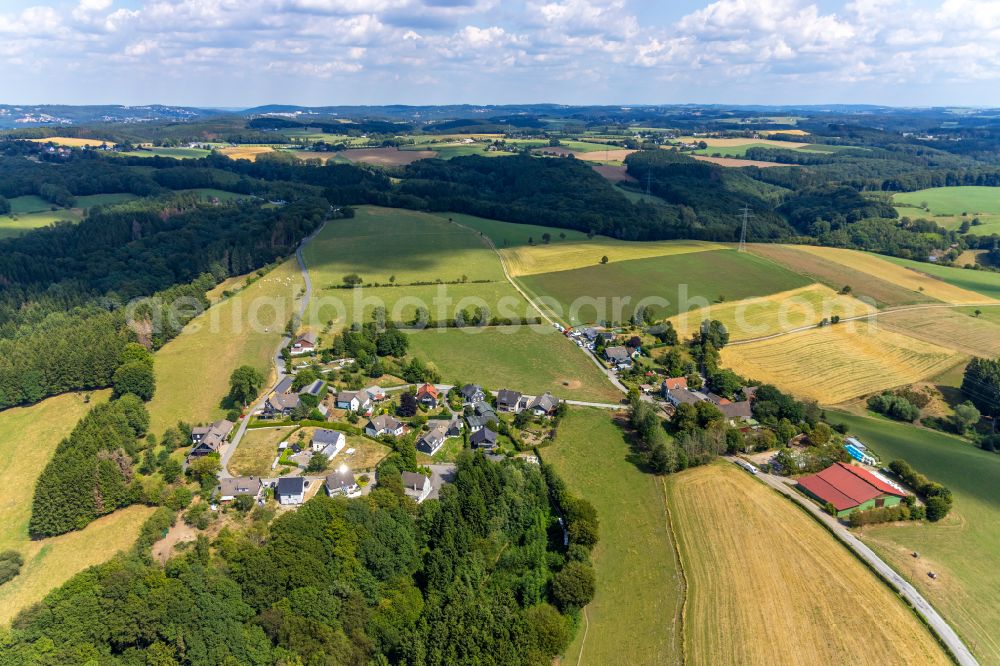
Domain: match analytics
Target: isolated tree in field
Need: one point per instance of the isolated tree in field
(966, 416)
(604, 259)
(135, 378)
(244, 384)
(546, 238)
(352, 280)
(978, 312)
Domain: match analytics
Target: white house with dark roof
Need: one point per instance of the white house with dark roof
(384, 425)
(328, 442)
(416, 486)
(290, 490)
(341, 482)
(472, 393)
(508, 401)
(354, 401)
(544, 405)
(431, 441)
(484, 439)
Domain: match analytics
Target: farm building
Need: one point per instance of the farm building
(850, 488)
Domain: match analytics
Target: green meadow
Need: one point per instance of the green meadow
(634, 617)
(392, 246)
(710, 276)
(509, 234)
(953, 200)
(960, 548)
(176, 153)
(529, 359)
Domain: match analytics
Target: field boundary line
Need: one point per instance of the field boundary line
(583, 641)
(681, 617)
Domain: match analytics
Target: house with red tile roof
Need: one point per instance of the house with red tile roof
(850, 488)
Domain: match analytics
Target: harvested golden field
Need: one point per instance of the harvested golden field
(790, 132)
(28, 438)
(785, 311)
(840, 362)
(612, 154)
(837, 275)
(535, 259)
(733, 162)
(768, 585)
(899, 275)
(245, 152)
(73, 142)
(947, 327)
(386, 156)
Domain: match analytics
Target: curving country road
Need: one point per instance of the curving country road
(936, 623)
(278, 360)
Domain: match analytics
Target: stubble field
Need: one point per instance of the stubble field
(767, 585)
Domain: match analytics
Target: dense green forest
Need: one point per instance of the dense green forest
(480, 577)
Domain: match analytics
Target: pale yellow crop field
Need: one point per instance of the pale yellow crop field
(947, 327)
(896, 274)
(73, 142)
(766, 315)
(535, 259)
(767, 585)
(245, 152)
(839, 362)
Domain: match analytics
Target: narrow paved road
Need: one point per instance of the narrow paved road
(279, 361)
(905, 589)
(872, 315)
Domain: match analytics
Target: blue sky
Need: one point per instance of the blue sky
(248, 52)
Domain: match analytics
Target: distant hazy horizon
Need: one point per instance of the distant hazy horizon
(246, 53)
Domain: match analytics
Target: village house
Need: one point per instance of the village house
(508, 401)
(230, 489)
(484, 439)
(354, 401)
(383, 425)
(478, 422)
(279, 405)
(451, 427)
(341, 482)
(416, 486)
(427, 395)
(290, 490)
(672, 384)
(314, 389)
(618, 356)
(683, 396)
(431, 441)
(328, 442)
(471, 394)
(376, 393)
(850, 488)
(544, 405)
(285, 385)
(304, 344)
(209, 439)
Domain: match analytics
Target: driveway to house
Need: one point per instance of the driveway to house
(936, 623)
(441, 474)
(279, 361)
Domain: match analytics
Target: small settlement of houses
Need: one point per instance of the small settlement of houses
(478, 417)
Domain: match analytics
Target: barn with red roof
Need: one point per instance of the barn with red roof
(850, 488)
